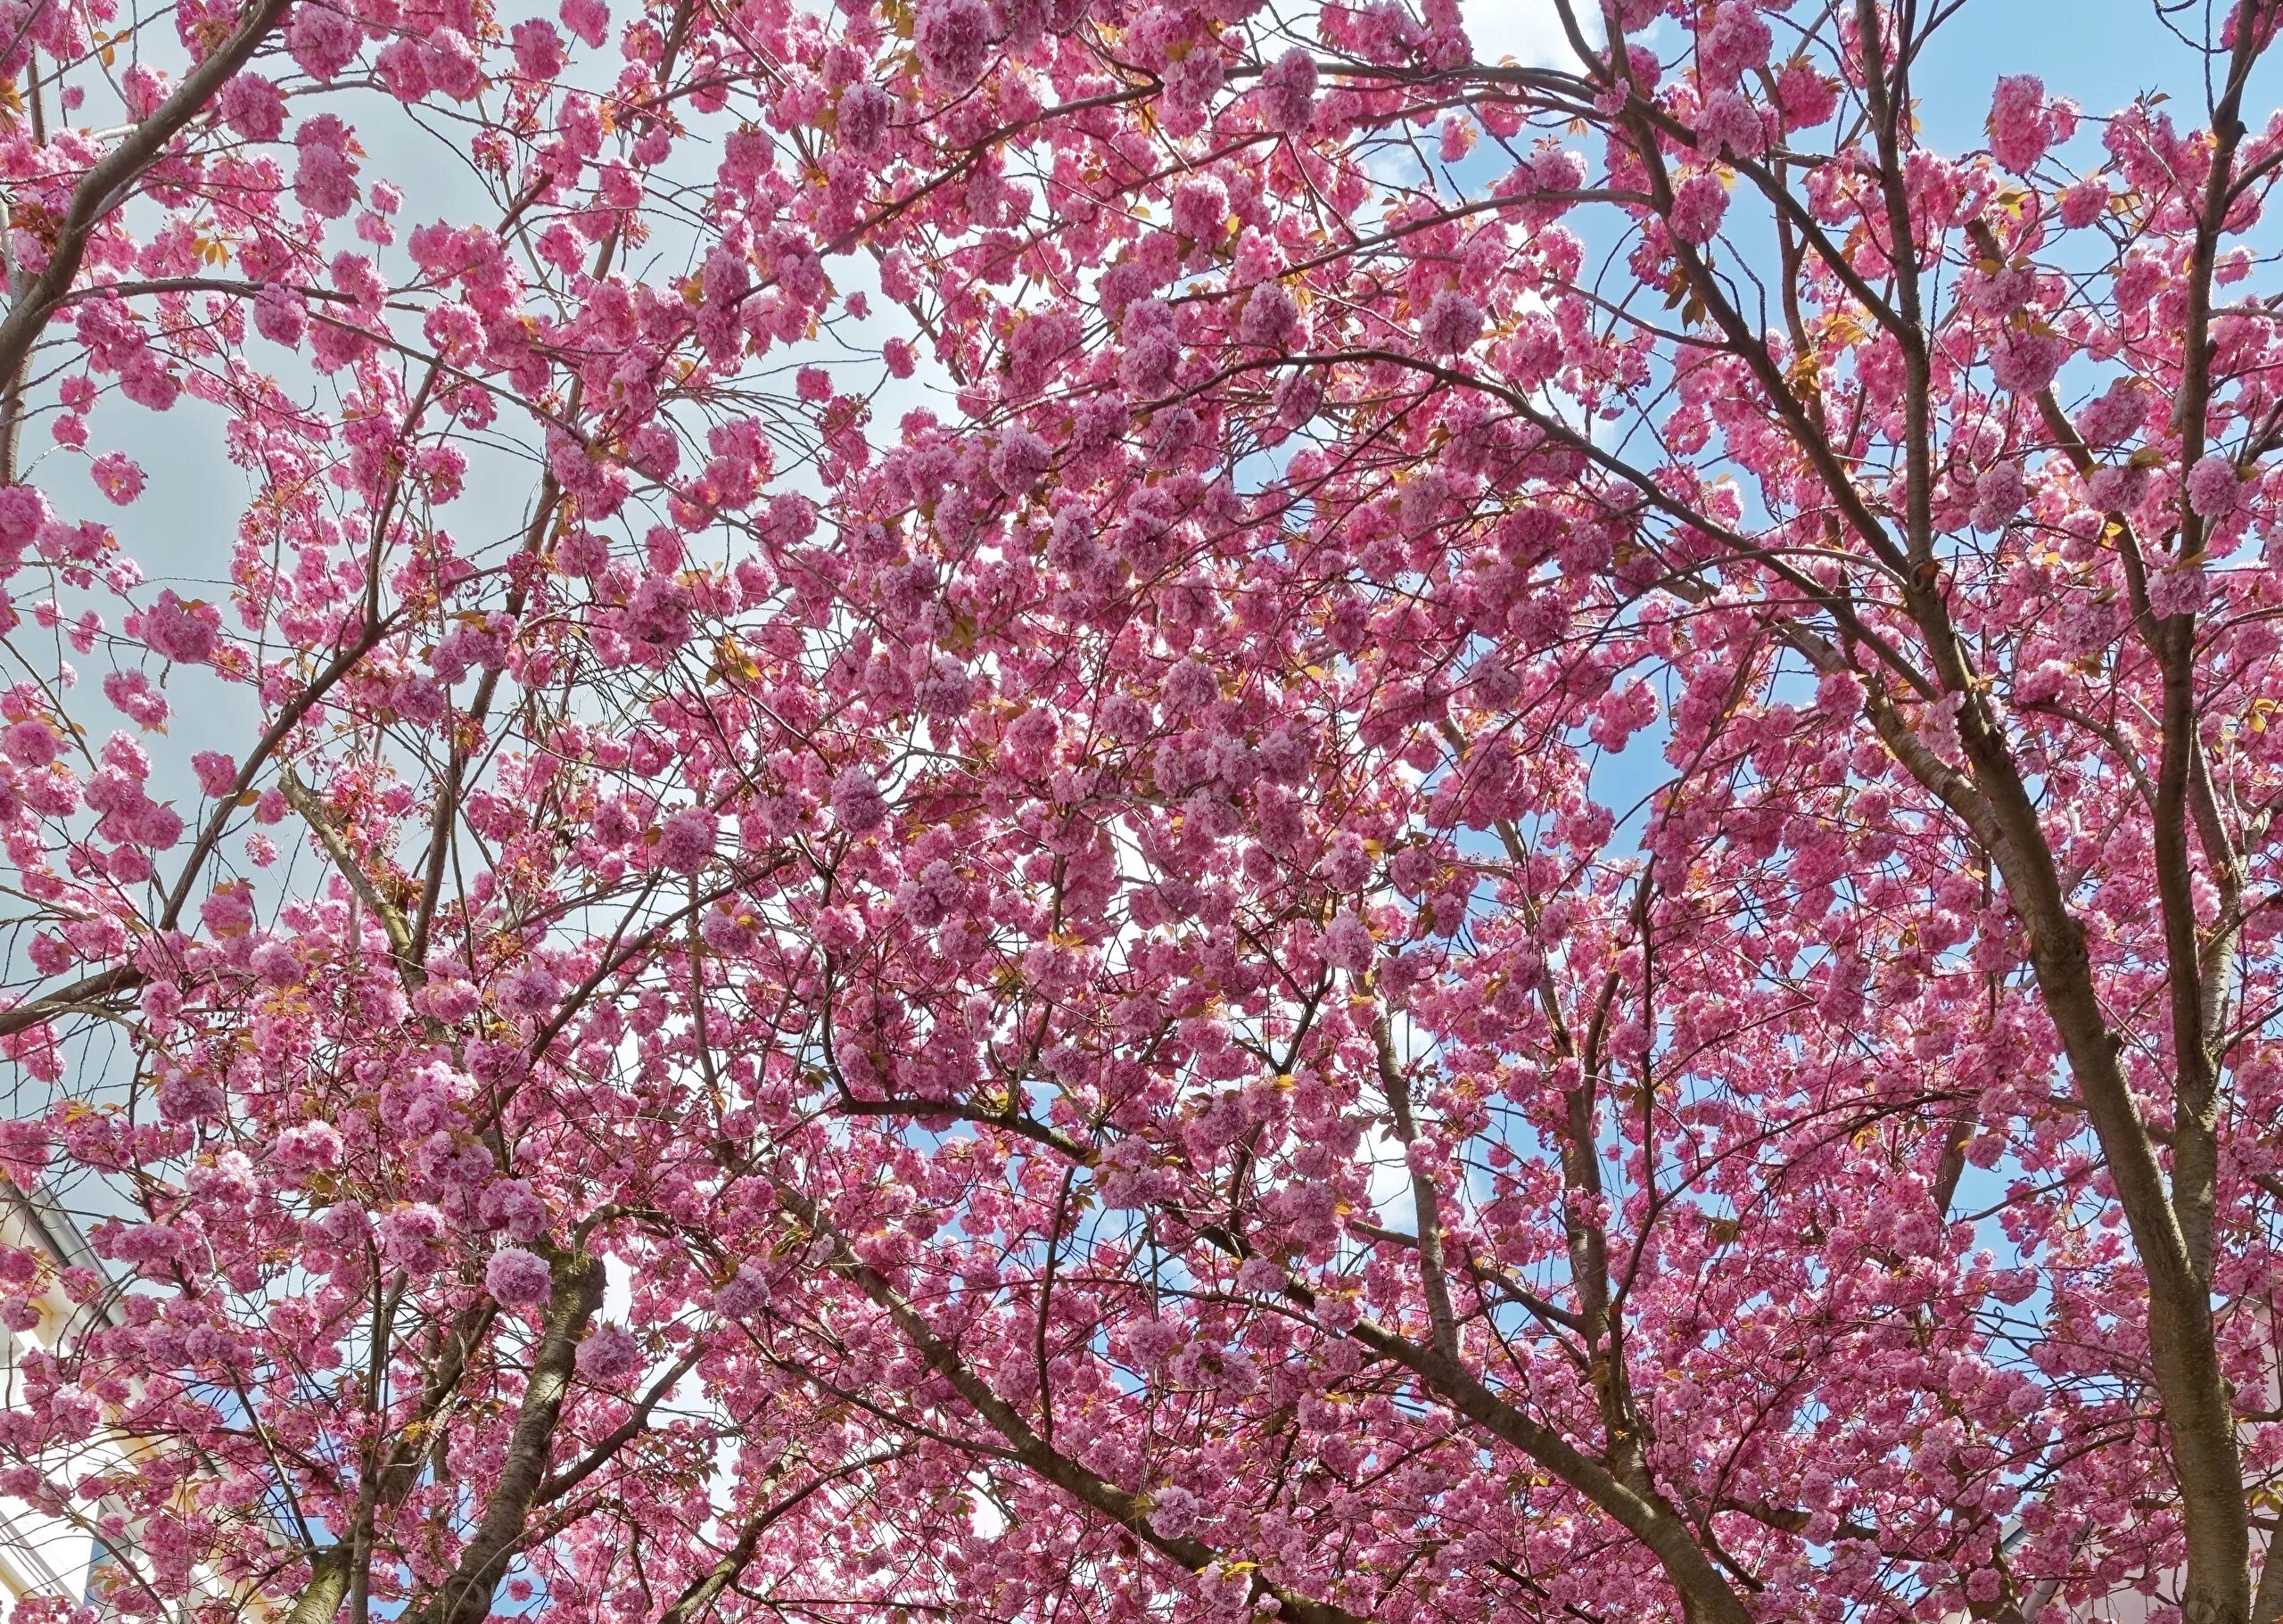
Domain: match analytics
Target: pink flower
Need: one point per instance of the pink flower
(276, 963)
(24, 513)
(590, 20)
(402, 70)
(228, 911)
(1412, 870)
(1151, 1341)
(1699, 202)
(279, 315)
(2021, 126)
(25, 1148)
(1730, 124)
(1805, 96)
(838, 929)
(2214, 488)
(1200, 209)
(1262, 1275)
(1347, 864)
(325, 176)
(510, 1205)
(1735, 40)
(1557, 169)
(452, 64)
(340, 1227)
(538, 47)
(532, 990)
(449, 998)
(131, 693)
(1174, 1512)
(322, 40)
(1998, 495)
(216, 773)
(1452, 324)
(1271, 318)
(312, 1147)
(609, 1356)
(857, 803)
(2080, 205)
(953, 40)
(118, 476)
(253, 107)
(422, 1100)
(1151, 361)
(2041, 684)
(742, 1294)
(1288, 92)
(791, 518)
(412, 1236)
(187, 633)
(1019, 461)
(730, 930)
(686, 840)
(2115, 414)
(518, 1279)
(864, 114)
(1347, 943)
(146, 380)
(30, 744)
(2025, 361)
(1192, 80)
(2175, 590)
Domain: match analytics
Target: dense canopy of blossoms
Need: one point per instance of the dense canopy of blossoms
(1084, 809)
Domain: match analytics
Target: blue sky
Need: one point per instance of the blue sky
(2101, 52)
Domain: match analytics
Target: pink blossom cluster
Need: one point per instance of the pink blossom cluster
(1127, 810)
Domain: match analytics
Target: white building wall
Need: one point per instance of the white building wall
(40, 1554)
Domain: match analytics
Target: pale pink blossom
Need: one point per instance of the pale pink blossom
(518, 1278)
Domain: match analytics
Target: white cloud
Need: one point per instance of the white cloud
(1529, 31)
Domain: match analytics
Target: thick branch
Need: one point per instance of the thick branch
(1023, 1441)
(1426, 1202)
(313, 812)
(466, 1597)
